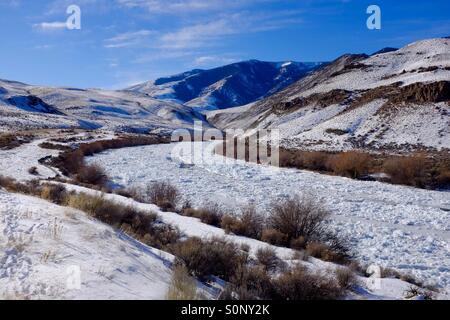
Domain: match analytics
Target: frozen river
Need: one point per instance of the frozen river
(400, 227)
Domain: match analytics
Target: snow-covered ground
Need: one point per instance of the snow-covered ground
(47, 250)
(16, 162)
(400, 227)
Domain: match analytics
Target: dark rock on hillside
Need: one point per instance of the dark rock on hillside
(33, 104)
(385, 50)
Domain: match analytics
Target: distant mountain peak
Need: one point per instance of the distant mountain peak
(227, 86)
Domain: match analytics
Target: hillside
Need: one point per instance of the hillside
(396, 99)
(32, 107)
(228, 86)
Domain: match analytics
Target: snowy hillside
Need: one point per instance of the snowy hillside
(227, 86)
(26, 107)
(42, 246)
(394, 99)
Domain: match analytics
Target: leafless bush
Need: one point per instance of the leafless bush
(299, 217)
(210, 214)
(346, 278)
(274, 237)
(324, 252)
(248, 224)
(163, 194)
(299, 284)
(55, 193)
(268, 258)
(406, 170)
(92, 174)
(249, 283)
(204, 258)
(141, 225)
(350, 164)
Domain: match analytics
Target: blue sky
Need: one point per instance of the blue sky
(123, 42)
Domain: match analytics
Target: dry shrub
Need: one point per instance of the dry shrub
(141, 225)
(10, 141)
(299, 217)
(210, 214)
(55, 193)
(231, 224)
(346, 278)
(214, 257)
(248, 224)
(30, 187)
(406, 170)
(268, 258)
(92, 174)
(314, 160)
(299, 284)
(299, 243)
(350, 164)
(182, 286)
(443, 177)
(325, 252)
(274, 237)
(249, 283)
(253, 222)
(163, 194)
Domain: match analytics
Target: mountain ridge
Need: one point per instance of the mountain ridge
(226, 86)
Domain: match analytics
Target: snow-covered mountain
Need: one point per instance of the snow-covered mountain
(25, 107)
(392, 99)
(228, 86)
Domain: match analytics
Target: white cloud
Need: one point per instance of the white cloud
(50, 26)
(182, 6)
(207, 61)
(128, 39)
(206, 34)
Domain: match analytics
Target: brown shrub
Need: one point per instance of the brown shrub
(350, 164)
(163, 194)
(92, 174)
(274, 237)
(346, 278)
(30, 187)
(314, 160)
(406, 170)
(55, 193)
(249, 283)
(141, 225)
(298, 284)
(268, 258)
(210, 214)
(298, 217)
(10, 141)
(182, 286)
(299, 243)
(248, 224)
(231, 224)
(443, 177)
(252, 221)
(205, 258)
